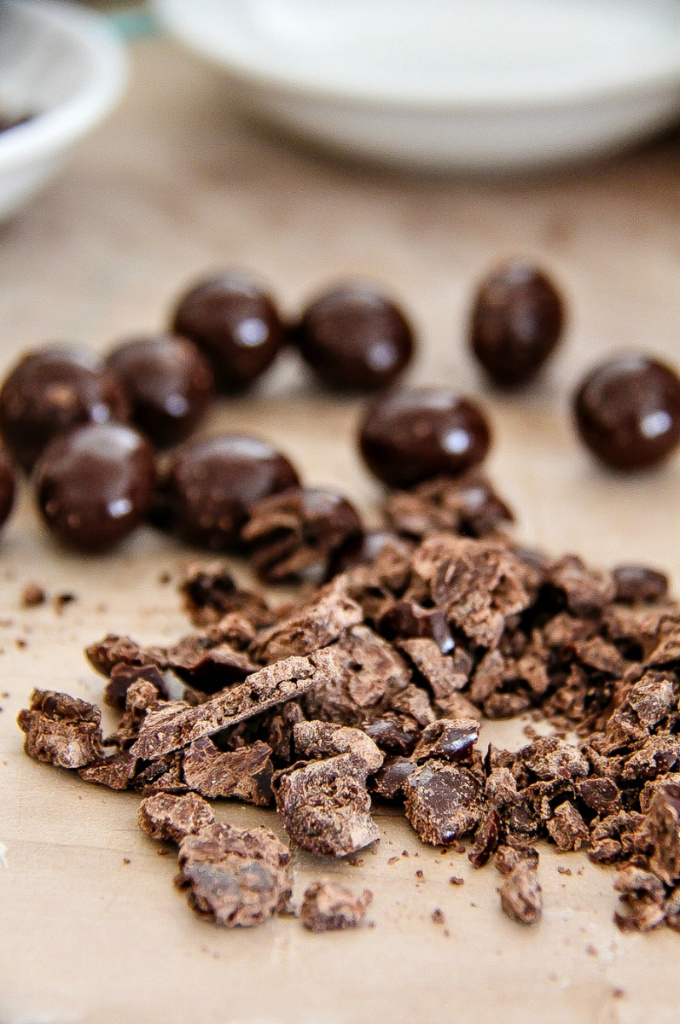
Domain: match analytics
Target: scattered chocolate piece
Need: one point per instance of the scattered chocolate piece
(298, 533)
(244, 774)
(115, 772)
(329, 907)
(50, 391)
(664, 833)
(61, 730)
(455, 880)
(521, 894)
(567, 827)
(210, 593)
(412, 436)
(61, 601)
(207, 487)
(410, 620)
(172, 818)
(641, 902)
(486, 839)
(310, 627)
(467, 505)
(33, 595)
(124, 675)
(389, 781)
(450, 740)
(323, 739)
(324, 806)
(354, 337)
(235, 876)
(94, 485)
(628, 412)
(168, 384)
(507, 858)
(235, 323)
(517, 321)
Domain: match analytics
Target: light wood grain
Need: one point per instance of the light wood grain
(173, 185)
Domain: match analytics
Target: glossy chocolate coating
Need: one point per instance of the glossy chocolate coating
(628, 412)
(516, 323)
(355, 338)
(169, 385)
(414, 435)
(7, 487)
(50, 391)
(235, 323)
(208, 486)
(94, 484)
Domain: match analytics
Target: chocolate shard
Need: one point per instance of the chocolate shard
(664, 833)
(177, 724)
(315, 625)
(141, 697)
(325, 739)
(210, 593)
(587, 591)
(164, 775)
(442, 802)
(521, 894)
(116, 772)
(325, 807)
(236, 877)
(406, 619)
(486, 839)
(329, 907)
(466, 504)
(389, 781)
(601, 795)
(507, 858)
(172, 818)
(448, 740)
(61, 730)
(641, 904)
(551, 757)
(244, 774)
(114, 650)
(124, 675)
(444, 674)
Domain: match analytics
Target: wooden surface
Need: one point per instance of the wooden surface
(174, 185)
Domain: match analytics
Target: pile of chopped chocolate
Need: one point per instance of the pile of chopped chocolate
(373, 687)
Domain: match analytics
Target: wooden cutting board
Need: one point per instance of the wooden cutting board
(91, 928)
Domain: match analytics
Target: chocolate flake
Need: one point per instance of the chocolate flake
(235, 876)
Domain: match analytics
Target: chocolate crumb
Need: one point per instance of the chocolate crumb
(33, 595)
(61, 600)
(438, 916)
(327, 906)
(455, 880)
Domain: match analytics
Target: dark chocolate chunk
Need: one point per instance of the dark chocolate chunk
(7, 487)
(61, 730)
(168, 383)
(325, 807)
(210, 593)
(329, 907)
(297, 534)
(521, 894)
(116, 772)
(601, 795)
(208, 486)
(393, 733)
(171, 818)
(467, 505)
(94, 485)
(409, 619)
(50, 391)
(567, 828)
(516, 322)
(486, 839)
(315, 624)
(636, 584)
(389, 781)
(442, 802)
(449, 740)
(628, 412)
(354, 337)
(414, 435)
(124, 675)
(664, 833)
(587, 591)
(244, 774)
(325, 739)
(235, 876)
(235, 323)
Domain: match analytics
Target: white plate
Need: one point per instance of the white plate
(487, 85)
(64, 62)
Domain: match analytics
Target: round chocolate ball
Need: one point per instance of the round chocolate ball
(169, 385)
(628, 412)
(48, 392)
(94, 485)
(235, 323)
(354, 337)
(7, 487)
(209, 484)
(516, 323)
(411, 436)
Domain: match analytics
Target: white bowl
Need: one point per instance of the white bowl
(491, 85)
(63, 62)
